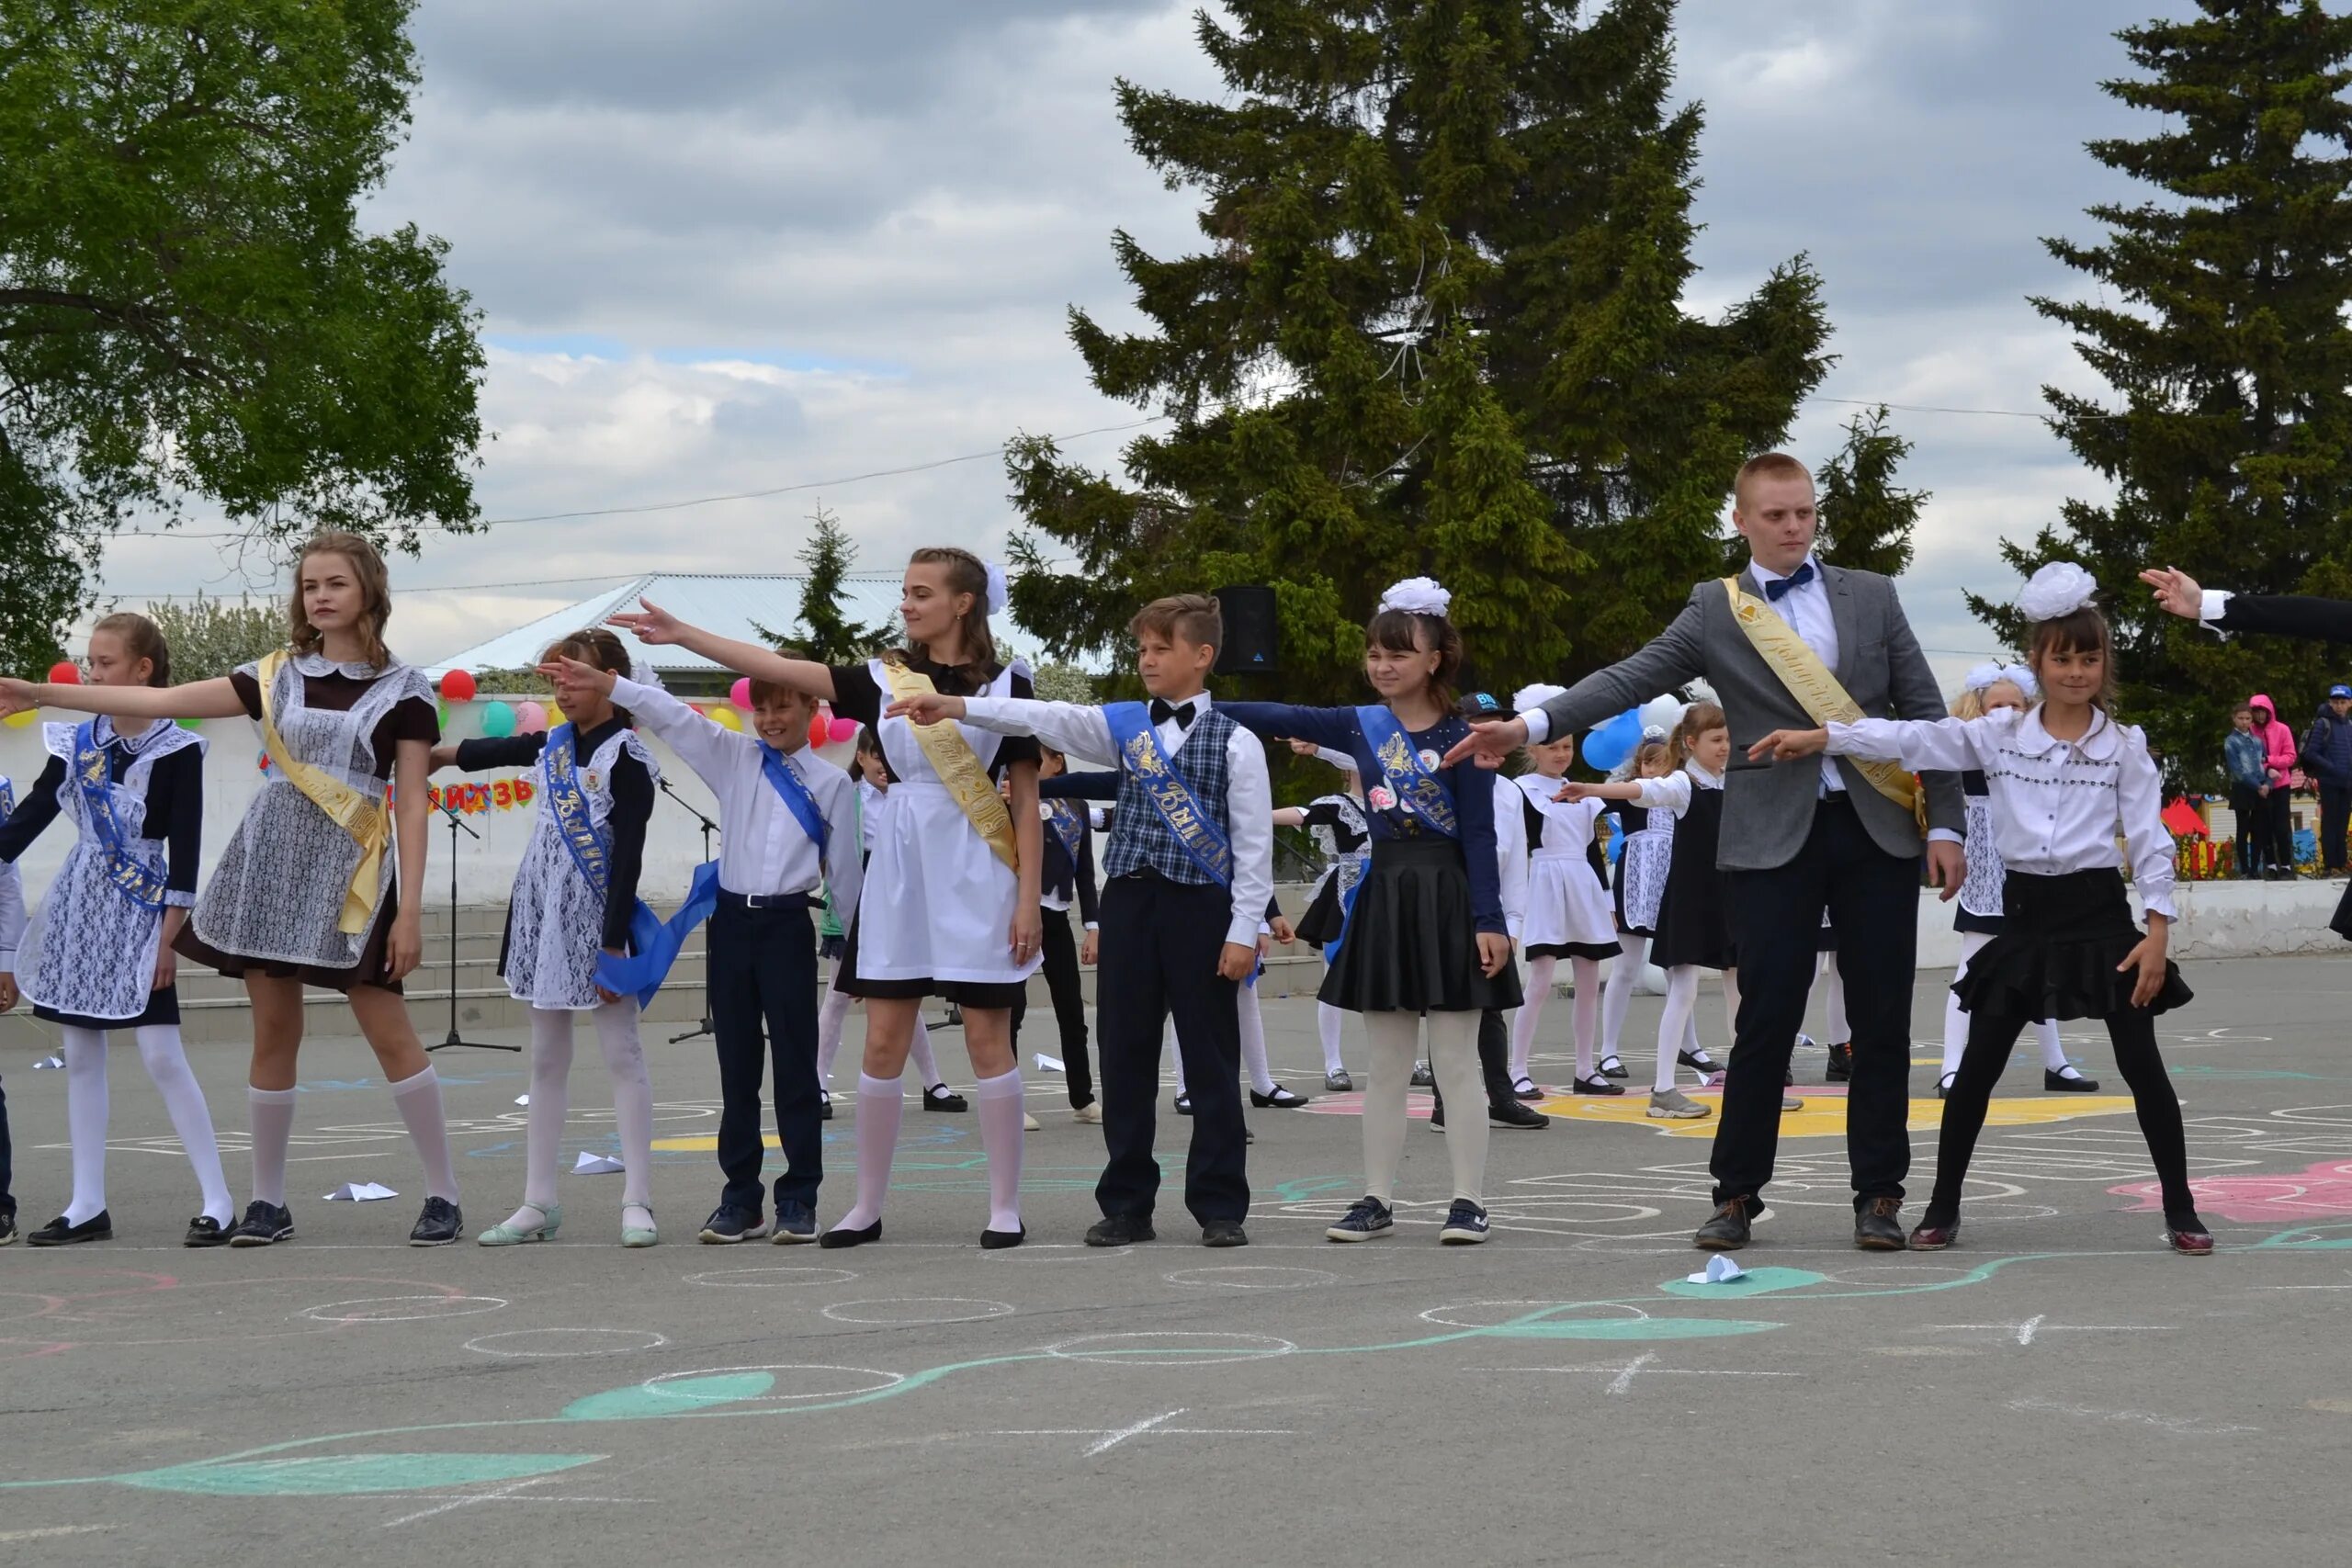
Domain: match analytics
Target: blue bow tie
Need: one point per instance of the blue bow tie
(1776, 591)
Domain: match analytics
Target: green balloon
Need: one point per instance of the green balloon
(497, 719)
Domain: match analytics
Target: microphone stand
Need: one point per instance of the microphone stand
(454, 1038)
(708, 828)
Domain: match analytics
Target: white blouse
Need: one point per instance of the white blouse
(1672, 792)
(2057, 803)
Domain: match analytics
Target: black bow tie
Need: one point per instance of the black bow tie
(1788, 584)
(1161, 713)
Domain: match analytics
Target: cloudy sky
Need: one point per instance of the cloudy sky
(734, 245)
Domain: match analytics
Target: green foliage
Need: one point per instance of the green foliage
(187, 307)
(1064, 682)
(209, 638)
(1866, 518)
(2219, 322)
(1436, 329)
(825, 635)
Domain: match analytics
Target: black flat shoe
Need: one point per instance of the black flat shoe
(939, 1096)
(57, 1233)
(1595, 1085)
(1611, 1067)
(997, 1241)
(1841, 1065)
(1223, 1233)
(824, 1107)
(1528, 1088)
(1183, 1105)
(1877, 1227)
(1282, 1098)
(2059, 1083)
(205, 1231)
(1511, 1113)
(846, 1237)
(1118, 1230)
(1728, 1230)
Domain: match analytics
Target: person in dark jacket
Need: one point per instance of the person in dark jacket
(2327, 757)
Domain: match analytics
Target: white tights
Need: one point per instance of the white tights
(1328, 1020)
(550, 1100)
(1624, 974)
(87, 1112)
(1540, 971)
(1453, 1059)
(2045, 1033)
(1253, 1045)
(1678, 1026)
(1832, 987)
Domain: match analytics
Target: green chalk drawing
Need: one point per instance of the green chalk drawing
(332, 1475)
(673, 1398)
(1754, 1283)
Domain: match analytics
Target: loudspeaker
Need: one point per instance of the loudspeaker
(1252, 643)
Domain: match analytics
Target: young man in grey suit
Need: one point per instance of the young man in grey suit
(1797, 838)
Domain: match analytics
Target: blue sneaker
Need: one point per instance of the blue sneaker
(1465, 1224)
(727, 1227)
(795, 1223)
(1366, 1218)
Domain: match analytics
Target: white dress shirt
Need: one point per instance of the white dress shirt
(2057, 803)
(1510, 851)
(12, 908)
(762, 850)
(1672, 792)
(1806, 609)
(2212, 604)
(1080, 731)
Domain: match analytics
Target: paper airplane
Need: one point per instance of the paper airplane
(360, 1192)
(1050, 1063)
(47, 1062)
(595, 1165)
(521, 1099)
(1719, 1270)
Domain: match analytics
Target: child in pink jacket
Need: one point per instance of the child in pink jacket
(2279, 754)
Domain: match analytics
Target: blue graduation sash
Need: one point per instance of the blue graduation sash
(794, 795)
(1416, 786)
(639, 974)
(7, 800)
(1188, 822)
(129, 875)
(1068, 828)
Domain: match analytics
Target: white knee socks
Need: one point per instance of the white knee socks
(632, 1103)
(997, 1103)
(85, 1116)
(167, 1062)
(271, 1111)
(1587, 1011)
(1395, 1036)
(879, 1106)
(1328, 1020)
(1624, 974)
(1453, 1062)
(1530, 1012)
(419, 1099)
(831, 1018)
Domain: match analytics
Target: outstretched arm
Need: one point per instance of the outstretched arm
(653, 626)
(196, 699)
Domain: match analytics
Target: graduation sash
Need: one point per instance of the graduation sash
(1188, 822)
(1816, 689)
(591, 853)
(130, 876)
(1418, 790)
(958, 767)
(794, 794)
(363, 819)
(1068, 828)
(7, 800)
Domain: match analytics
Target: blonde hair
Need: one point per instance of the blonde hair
(1696, 719)
(965, 574)
(141, 638)
(1766, 466)
(375, 589)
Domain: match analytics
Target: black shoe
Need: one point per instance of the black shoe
(2059, 1083)
(939, 1096)
(1223, 1233)
(997, 1241)
(1943, 1085)
(205, 1231)
(1339, 1082)
(841, 1237)
(1437, 1115)
(264, 1224)
(1528, 1088)
(1698, 1061)
(1511, 1113)
(1611, 1067)
(1728, 1232)
(824, 1107)
(57, 1233)
(1877, 1227)
(1282, 1098)
(1183, 1105)
(1841, 1065)
(1118, 1230)
(1422, 1077)
(729, 1224)
(437, 1223)
(1594, 1084)
(8, 1229)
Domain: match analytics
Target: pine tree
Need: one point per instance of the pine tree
(1866, 518)
(825, 634)
(1437, 329)
(2219, 322)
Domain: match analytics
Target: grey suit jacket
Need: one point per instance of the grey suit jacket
(1768, 808)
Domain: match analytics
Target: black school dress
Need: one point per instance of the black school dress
(1694, 917)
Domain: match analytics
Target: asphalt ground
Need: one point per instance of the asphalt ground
(2058, 1389)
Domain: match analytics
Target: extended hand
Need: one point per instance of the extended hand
(1236, 962)
(1489, 742)
(1946, 868)
(1284, 932)
(1788, 745)
(574, 679)
(1574, 789)
(404, 948)
(926, 707)
(1494, 952)
(2176, 592)
(7, 992)
(649, 624)
(2148, 959)
(1091, 948)
(18, 696)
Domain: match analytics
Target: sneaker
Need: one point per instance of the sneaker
(8, 1228)
(1673, 1105)
(58, 1232)
(1790, 1103)
(795, 1223)
(728, 1225)
(437, 1223)
(1594, 1084)
(1526, 1088)
(1091, 1113)
(1841, 1065)
(1366, 1218)
(1698, 1061)
(1614, 1066)
(1339, 1083)
(1422, 1077)
(1465, 1224)
(264, 1225)
(939, 1096)
(1511, 1113)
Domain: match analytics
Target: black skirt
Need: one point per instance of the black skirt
(1694, 917)
(983, 995)
(162, 1007)
(2060, 939)
(1593, 950)
(1962, 920)
(372, 969)
(1412, 943)
(1326, 917)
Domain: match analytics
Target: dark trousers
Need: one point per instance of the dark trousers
(2335, 814)
(1992, 1035)
(7, 1161)
(763, 971)
(1872, 898)
(1070, 1006)
(2281, 817)
(1161, 942)
(2253, 813)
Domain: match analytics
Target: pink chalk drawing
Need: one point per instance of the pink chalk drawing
(2321, 1189)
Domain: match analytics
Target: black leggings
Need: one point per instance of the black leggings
(1991, 1037)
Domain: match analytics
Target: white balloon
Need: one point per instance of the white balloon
(1661, 712)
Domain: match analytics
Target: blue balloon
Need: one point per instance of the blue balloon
(1613, 740)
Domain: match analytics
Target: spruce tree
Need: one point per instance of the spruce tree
(2219, 323)
(826, 634)
(1867, 519)
(1437, 328)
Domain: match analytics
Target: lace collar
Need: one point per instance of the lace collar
(105, 732)
(317, 664)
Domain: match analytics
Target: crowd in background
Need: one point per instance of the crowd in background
(2268, 763)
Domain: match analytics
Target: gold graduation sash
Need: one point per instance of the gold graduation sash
(1815, 688)
(352, 812)
(958, 767)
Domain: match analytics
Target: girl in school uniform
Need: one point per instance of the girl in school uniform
(1568, 908)
(323, 880)
(575, 892)
(1427, 938)
(950, 905)
(1976, 914)
(98, 955)
(2059, 778)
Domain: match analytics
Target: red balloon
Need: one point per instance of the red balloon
(64, 672)
(816, 732)
(457, 686)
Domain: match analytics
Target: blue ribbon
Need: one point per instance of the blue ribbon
(1194, 831)
(1068, 828)
(126, 873)
(794, 795)
(1347, 914)
(657, 943)
(1418, 790)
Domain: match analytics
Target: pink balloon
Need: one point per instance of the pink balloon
(531, 718)
(740, 694)
(842, 730)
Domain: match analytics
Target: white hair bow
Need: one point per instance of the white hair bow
(1529, 698)
(1416, 596)
(1992, 672)
(643, 673)
(2059, 589)
(1000, 591)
